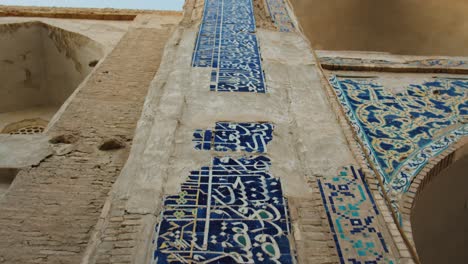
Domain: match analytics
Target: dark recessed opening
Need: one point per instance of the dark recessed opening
(7, 176)
(93, 63)
(439, 217)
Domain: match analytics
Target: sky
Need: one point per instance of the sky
(130, 4)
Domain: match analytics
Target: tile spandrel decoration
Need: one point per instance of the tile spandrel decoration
(402, 132)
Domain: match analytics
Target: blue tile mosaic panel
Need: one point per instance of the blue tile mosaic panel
(352, 215)
(230, 136)
(280, 15)
(232, 211)
(227, 43)
(402, 131)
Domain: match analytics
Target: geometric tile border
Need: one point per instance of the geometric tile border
(227, 43)
(352, 215)
(230, 136)
(280, 15)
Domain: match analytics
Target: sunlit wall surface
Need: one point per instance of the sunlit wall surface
(125, 4)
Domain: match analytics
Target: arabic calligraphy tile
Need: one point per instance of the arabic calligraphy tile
(227, 43)
(229, 136)
(239, 215)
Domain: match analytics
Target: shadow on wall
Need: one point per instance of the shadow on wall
(41, 66)
(412, 27)
(439, 217)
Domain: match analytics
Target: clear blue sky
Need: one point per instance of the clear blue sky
(131, 4)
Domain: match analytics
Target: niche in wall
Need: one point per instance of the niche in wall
(40, 67)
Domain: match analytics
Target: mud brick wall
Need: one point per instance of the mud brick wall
(51, 210)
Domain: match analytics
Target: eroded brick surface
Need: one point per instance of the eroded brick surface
(50, 211)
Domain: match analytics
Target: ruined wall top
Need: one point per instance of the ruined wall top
(80, 13)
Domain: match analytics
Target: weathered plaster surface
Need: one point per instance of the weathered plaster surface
(23, 150)
(41, 66)
(415, 27)
(107, 33)
(308, 144)
(58, 201)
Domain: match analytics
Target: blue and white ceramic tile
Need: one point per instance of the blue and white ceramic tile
(227, 43)
(230, 136)
(232, 211)
(402, 132)
(279, 14)
(352, 215)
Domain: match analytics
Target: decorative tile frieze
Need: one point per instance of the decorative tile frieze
(279, 14)
(232, 211)
(227, 43)
(439, 65)
(352, 215)
(230, 136)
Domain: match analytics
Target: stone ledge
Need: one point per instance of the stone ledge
(18, 151)
(80, 13)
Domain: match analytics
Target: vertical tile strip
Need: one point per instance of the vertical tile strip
(352, 215)
(279, 14)
(227, 43)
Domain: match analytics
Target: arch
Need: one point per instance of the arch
(432, 200)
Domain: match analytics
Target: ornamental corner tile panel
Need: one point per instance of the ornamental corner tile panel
(227, 42)
(402, 132)
(352, 215)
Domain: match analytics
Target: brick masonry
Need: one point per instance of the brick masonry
(50, 211)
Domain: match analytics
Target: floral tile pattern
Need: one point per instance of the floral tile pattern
(401, 132)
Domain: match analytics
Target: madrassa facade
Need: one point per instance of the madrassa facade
(235, 131)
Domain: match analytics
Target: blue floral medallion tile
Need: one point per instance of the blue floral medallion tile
(230, 136)
(227, 43)
(352, 215)
(232, 211)
(402, 131)
(280, 15)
